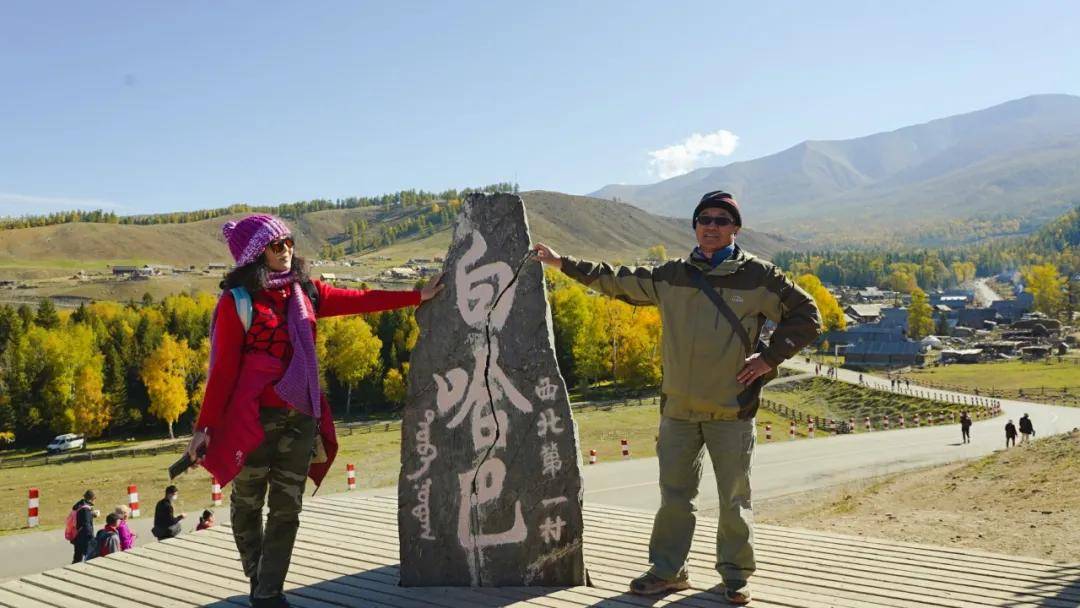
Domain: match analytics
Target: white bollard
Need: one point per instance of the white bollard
(592, 456)
(791, 432)
(625, 448)
(215, 492)
(768, 432)
(350, 475)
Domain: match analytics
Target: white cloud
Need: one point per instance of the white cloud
(12, 204)
(693, 152)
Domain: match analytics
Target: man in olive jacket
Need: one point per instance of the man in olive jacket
(708, 397)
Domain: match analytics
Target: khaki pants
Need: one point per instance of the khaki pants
(680, 448)
(279, 465)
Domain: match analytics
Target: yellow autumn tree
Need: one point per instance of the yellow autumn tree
(351, 352)
(832, 316)
(164, 373)
(920, 316)
(91, 410)
(394, 385)
(637, 348)
(1048, 288)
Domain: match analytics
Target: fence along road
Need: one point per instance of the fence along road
(787, 467)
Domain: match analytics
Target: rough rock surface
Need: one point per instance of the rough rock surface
(490, 487)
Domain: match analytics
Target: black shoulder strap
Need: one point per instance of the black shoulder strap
(720, 304)
(312, 293)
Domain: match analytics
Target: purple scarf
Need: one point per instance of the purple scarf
(300, 384)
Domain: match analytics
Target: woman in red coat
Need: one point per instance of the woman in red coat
(265, 424)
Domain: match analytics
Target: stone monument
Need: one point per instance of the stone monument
(490, 487)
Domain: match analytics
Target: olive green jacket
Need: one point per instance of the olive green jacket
(701, 353)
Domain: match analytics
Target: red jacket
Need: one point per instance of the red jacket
(245, 370)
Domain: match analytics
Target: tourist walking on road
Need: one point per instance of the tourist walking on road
(84, 527)
(166, 522)
(265, 424)
(1026, 429)
(712, 307)
(965, 427)
(1010, 433)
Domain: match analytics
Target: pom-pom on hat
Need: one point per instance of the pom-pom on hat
(248, 237)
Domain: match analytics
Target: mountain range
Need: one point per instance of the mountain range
(1019, 160)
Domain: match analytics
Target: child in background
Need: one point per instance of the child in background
(127, 537)
(206, 521)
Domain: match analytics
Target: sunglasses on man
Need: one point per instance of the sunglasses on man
(705, 220)
(279, 245)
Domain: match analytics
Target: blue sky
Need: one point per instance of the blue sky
(158, 106)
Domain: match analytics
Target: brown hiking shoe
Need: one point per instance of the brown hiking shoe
(737, 597)
(650, 584)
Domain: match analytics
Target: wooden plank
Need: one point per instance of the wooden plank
(960, 564)
(114, 571)
(873, 581)
(81, 586)
(40, 595)
(765, 529)
(10, 599)
(771, 559)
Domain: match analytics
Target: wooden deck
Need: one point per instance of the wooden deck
(347, 555)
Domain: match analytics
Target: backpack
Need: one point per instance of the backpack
(71, 523)
(244, 308)
(101, 544)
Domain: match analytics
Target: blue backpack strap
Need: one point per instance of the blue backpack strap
(243, 306)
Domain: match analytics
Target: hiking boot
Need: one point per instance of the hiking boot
(650, 584)
(737, 597)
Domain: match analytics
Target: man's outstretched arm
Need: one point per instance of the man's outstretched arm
(633, 285)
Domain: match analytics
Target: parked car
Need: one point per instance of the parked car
(65, 443)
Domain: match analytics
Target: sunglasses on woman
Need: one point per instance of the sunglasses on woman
(279, 245)
(705, 220)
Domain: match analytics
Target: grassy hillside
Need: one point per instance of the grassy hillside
(45, 258)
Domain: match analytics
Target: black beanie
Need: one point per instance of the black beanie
(721, 199)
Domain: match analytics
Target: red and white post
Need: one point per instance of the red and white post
(902, 425)
(868, 427)
(768, 432)
(133, 500)
(851, 424)
(791, 432)
(350, 475)
(625, 448)
(592, 456)
(885, 423)
(32, 511)
(810, 428)
(215, 492)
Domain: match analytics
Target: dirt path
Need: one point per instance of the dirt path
(1020, 501)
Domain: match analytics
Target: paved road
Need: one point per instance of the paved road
(786, 467)
(782, 467)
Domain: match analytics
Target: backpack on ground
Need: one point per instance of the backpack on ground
(71, 524)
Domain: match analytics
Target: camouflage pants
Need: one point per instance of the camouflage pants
(280, 463)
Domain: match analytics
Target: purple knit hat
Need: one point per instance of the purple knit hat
(248, 237)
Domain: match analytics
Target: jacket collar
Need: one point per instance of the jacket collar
(737, 259)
